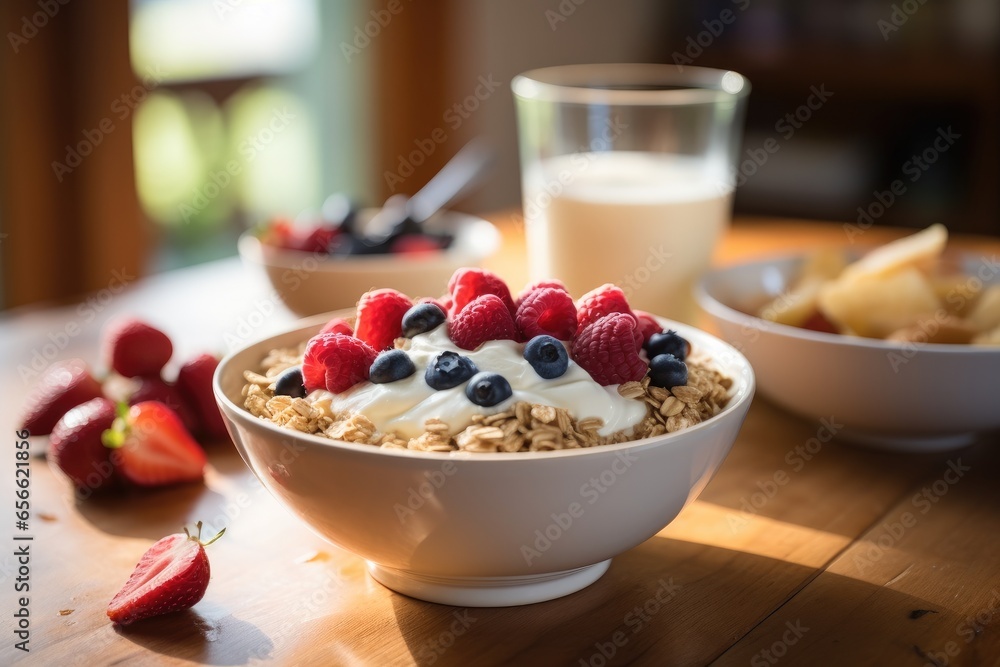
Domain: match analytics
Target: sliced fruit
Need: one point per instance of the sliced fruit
(152, 447)
(796, 305)
(918, 251)
(171, 576)
(985, 312)
(877, 306)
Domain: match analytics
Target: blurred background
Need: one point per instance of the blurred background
(146, 135)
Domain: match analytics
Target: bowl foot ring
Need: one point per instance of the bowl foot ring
(488, 591)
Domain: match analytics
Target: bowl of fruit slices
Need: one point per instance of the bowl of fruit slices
(324, 264)
(482, 449)
(897, 348)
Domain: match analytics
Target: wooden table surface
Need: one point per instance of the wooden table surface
(793, 554)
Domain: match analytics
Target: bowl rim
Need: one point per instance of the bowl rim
(744, 387)
(717, 308)
(487, 241)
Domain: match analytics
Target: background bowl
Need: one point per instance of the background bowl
(897, 396)
(310, 283)
(483, 529)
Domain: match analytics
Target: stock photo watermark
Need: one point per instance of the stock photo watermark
(120, 109)
(371, 29)
(633, 622)
(431, 650)
(915, 167)
(695, 45)
(249, 149)
(771, 655)
(33, 23)
(796, 459)
(590, 491)
(922, 502)
(967, 629)
(453, 117)
(899, 14)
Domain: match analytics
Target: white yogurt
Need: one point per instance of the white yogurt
(403, 406)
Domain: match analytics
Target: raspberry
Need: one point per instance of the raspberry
(380, 317)
(647, 325)
(608, 349)
(133, 348)
(485, 318)
(337, 325)
(599, 302)
(335, 362)
(546, 310)
(467, 284)
(555, 284)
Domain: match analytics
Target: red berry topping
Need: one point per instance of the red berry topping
(63, 385)
(415, 244)
(76, 448)
(485, 318)
(336, 362)
(133, 348)
(599, 302)
(152, 447)
(647, 325)
(467, 284)
(608, 349)
(380, 317)
(194, 384)
(555, 284)
(156, 389)
(546, 310)
(172, 575)
(337, 325)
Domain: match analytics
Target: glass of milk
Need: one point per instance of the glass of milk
(627, 175)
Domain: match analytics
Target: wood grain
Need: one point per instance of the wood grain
(779, 538)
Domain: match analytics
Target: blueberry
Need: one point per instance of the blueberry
(422, 318)
(449, 369)
(667, 342)
(390, 366)
(488, 389)
(547, 356)
(290, 383)
(667, 371)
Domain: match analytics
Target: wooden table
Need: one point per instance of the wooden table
(834, 556)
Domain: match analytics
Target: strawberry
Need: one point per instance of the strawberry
(380, 317)
(63, 385)
(171, 576)
(336, 362)
(76, 448)
(647, 325)
(467, 284)
(597, 303)
(194, 385)
(546, 310)
(337, 325)
(157, 389)
(133, 347)
(152, 447)
(485, 318)
(608, 349)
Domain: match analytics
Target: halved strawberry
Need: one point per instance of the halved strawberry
(171, 576)
(63, 385)
(152, 446)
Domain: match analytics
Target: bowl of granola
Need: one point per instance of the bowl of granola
(482, 450)
(897, 348)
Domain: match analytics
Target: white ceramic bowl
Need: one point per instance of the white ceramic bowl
(895, 396)
(311, 283)
(483, 529)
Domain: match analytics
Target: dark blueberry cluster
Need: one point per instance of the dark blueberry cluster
(667, 351)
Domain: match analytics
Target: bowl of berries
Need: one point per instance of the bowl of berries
(897, 348)
(321, 264)
(482, 449)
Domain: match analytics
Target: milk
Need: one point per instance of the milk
(644, 221)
